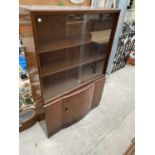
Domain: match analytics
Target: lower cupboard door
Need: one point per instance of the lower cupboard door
(77, 104)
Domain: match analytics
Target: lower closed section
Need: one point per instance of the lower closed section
(73, 106)
(77, 104)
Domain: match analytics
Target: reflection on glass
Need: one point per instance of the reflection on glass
(72, 49)
(99, 29)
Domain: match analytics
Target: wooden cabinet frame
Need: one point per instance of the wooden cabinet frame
(40, 61)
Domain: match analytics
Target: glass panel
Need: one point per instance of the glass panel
(72, 49)
(59, 83)
(98, 31)
(59, 45)
(56, 32)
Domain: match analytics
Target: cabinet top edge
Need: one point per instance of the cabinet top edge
(51, 8)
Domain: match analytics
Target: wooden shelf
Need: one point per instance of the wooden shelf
(75, 22)
(53, 87)
(99, 37)
(57, 67)
(62, 44)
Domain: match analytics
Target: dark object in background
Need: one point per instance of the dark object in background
(125, 46)
(130, 4)
(23, 76)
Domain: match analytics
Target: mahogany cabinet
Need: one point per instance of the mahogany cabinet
(67, 51)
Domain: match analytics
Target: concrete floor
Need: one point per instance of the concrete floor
(107, 130)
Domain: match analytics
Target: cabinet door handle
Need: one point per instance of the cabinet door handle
(66, 109)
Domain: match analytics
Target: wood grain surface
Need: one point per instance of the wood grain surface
(52, 2)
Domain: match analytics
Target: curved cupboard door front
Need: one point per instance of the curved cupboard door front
(77, 104)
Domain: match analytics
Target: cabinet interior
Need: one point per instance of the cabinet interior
(72, 49)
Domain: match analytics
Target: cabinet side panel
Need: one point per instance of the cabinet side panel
(26, 34)
(99, 84)
(53, 117)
